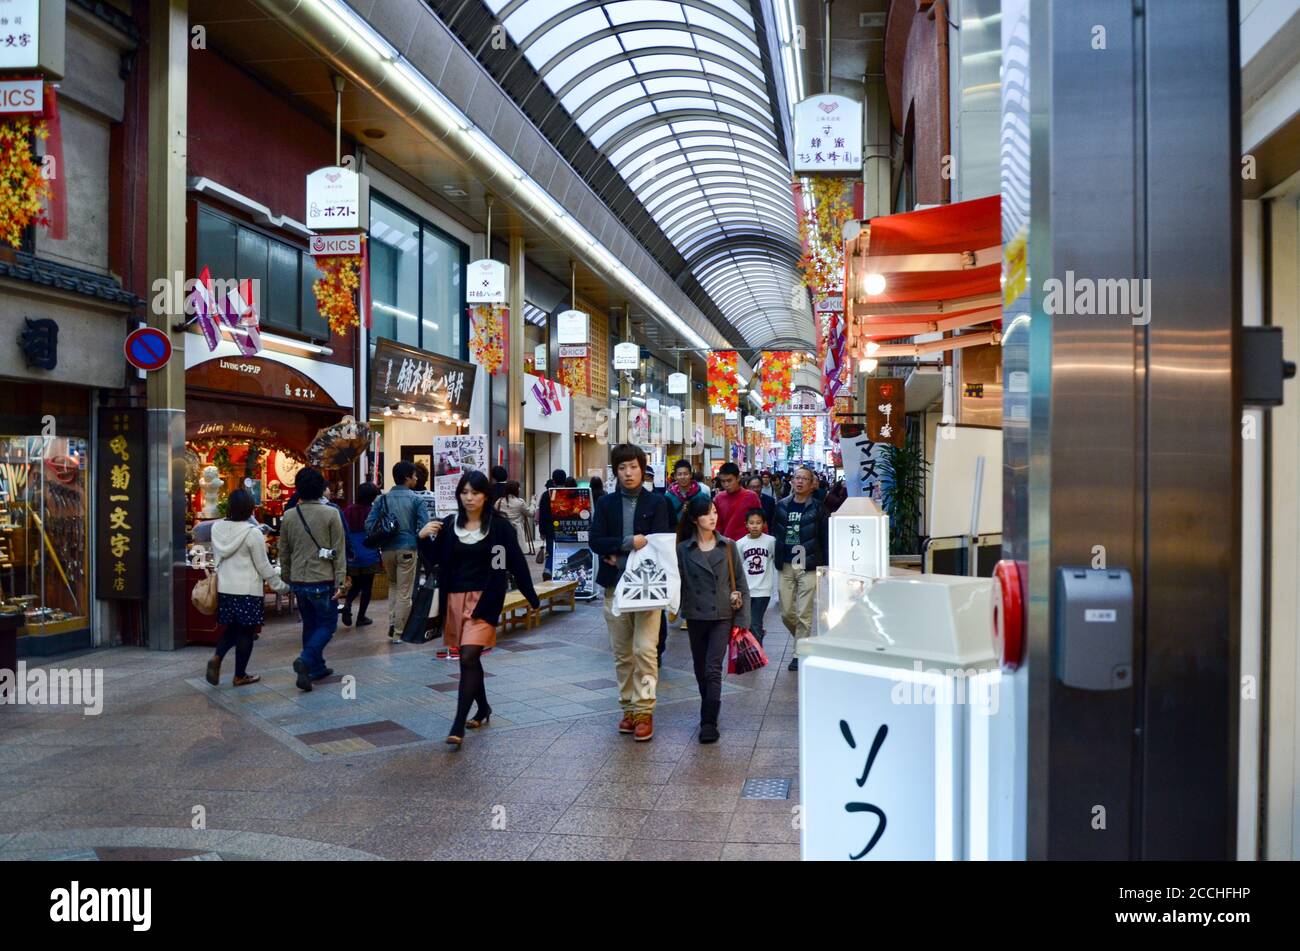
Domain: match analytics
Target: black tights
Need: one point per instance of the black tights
(471, 687)
(361, 585)
(240, 637)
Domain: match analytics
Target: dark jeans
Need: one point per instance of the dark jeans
(320, 616)
(361, 585)
(757, 608)
(240, 637)
(709, 640)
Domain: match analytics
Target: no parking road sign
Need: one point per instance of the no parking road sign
(148, 349)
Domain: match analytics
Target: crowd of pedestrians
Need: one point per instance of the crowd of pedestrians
(748, 538)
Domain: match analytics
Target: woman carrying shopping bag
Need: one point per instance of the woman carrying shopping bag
(714, 598)
(473, 552)
(242, 567)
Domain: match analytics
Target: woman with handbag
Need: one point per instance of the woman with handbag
(473, 552)
(714, 599)
(242, 567)
(514, 509)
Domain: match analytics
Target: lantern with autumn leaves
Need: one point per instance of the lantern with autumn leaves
(777, 378)
(723, 389)
(487, 336)
(22, 186)
(809, 427)
(783, 429)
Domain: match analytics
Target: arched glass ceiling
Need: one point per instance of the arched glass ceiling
(674, 95)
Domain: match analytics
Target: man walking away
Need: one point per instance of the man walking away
(800, 533)
(734, 502)
(558, 478)
(400, 556)
(619, 526)
(313, 560)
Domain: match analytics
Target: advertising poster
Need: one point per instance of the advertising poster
(571, 511)
(452, 457)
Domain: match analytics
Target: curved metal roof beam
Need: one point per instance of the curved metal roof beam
(637, 79)
(623, 136)
(645, 26)
(652, 98)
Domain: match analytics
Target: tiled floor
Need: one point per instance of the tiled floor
(356, 769)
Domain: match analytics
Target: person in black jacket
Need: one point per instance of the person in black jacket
(544, 526)
(801, 547)
(473, 552)
(768, 503)
(619, 526)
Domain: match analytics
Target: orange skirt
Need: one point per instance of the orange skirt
(460, 627)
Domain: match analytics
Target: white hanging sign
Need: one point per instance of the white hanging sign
(627, 356)
(828, 135)
(750, 422)
(571, 326)
(732, 415)
(539, 357)
(485, 282)
(677, 383)
(333, 199)
(652, 405)
(20, 35)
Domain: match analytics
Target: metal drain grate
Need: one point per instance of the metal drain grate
(766, 789)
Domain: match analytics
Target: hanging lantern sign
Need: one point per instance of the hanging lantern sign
(652, 405)
(828, 135)
(485, 282)
(627, 356)
(571, 326)
(539, 358)
(677, 383)
(750, 422)
(732, 416)
(335, 199)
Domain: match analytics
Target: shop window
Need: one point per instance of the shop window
(43, 519)
(284, 271)
(417, 281)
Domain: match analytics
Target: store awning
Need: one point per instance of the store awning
(941, 269)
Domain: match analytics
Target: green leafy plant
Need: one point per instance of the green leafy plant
(902, 494)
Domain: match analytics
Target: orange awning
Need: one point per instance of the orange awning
(942, 269)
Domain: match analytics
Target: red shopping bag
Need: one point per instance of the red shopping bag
(745, 653)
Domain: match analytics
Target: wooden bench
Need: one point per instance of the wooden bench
(517, 612)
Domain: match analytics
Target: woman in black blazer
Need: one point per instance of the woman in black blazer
(472, 553)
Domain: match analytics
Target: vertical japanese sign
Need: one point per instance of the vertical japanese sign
(571, 511)
(861, 465)
(885, 410)
(121, 530)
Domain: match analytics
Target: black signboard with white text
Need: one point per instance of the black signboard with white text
(427, 382)
(121, 496)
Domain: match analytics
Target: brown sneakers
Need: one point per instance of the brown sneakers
(645, 727)
(627, 724)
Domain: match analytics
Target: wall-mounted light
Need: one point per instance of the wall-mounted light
(873, 284)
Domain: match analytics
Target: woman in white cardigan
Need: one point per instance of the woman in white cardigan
(242, 567)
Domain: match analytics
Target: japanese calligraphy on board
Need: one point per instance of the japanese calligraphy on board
(429, 382)
(828, 135)
(121, 530)
(886, 407)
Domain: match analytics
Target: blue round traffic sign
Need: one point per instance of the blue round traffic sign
(148, 349)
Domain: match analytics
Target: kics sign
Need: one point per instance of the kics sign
(329, 245)
(20, 95)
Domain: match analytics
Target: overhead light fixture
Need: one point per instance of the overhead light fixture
(872, 347)
(866, 365)
(873, 284)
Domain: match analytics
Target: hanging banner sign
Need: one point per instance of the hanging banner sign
(677, 383)
(539, 357)
(828, 135)
(571, 326)
(627, 356)
(885, 409)
(334, 199)
(567, 352)
(485, 282)
(330, 245)
(121, 491)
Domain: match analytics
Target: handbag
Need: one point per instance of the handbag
(744, 652)
(385, 528)
(416, 630)
(204, 595)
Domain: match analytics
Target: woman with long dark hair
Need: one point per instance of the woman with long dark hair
(715, 597)
(242, 567)
(473, 552)
(363, 561)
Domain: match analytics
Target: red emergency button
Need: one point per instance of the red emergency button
(1008, 614)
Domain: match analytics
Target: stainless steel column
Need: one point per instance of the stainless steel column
(168, 118)
(1132, 443)
(515, 361)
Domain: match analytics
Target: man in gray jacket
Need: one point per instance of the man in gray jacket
(314, 562)
(400, 555)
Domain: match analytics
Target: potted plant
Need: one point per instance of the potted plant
(902, 493)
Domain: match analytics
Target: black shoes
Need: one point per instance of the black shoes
(329, 671)
(364, 621)
(213, 674)
(347, 617)
(304, 679)
(794, 664)
(709, 733)
(480, 719)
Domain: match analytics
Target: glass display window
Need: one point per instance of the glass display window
(44, 511)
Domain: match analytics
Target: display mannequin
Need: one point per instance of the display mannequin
(211, 484)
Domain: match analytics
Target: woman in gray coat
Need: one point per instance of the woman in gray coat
(715, 598)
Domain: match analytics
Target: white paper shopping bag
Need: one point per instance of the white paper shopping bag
(651, 581)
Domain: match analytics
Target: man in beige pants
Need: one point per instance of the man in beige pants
(400, 554)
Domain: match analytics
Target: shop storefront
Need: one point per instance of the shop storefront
(415, 396)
